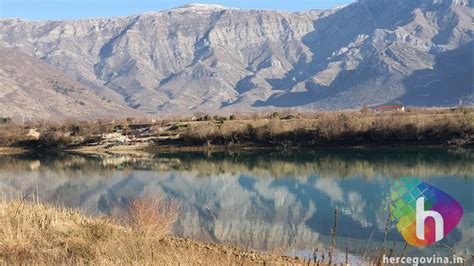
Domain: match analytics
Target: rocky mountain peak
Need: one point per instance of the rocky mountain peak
(198, 7)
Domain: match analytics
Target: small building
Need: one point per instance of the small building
(389, 108)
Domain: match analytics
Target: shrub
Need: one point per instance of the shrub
(365, 109)
(5, 120)
(11, 134)
(152, 217)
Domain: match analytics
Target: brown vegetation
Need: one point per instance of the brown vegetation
(40, 234)
(151, 217)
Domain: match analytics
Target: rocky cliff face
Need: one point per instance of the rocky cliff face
(209, 58)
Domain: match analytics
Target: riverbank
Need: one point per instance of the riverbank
(41, 234)
(415, 128)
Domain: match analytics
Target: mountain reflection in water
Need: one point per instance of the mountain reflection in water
(267, 200)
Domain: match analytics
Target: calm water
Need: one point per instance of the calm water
(265, 200)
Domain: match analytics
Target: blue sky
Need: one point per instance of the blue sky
(74, 9)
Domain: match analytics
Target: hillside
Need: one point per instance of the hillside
(31, 89)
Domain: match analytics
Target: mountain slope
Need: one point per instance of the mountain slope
(210, 58)
(31, 90)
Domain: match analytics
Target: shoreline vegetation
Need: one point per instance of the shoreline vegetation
(36, 233)
(413, 127)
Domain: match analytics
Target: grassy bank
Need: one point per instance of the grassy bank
(40, 234)
(415, 127)
(343, 129)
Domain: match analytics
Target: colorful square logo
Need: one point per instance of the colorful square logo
(423, 214)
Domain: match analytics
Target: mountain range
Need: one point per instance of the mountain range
(210, 58)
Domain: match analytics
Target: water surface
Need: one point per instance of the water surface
(266, 200)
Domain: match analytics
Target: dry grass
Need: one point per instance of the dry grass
(41, 234)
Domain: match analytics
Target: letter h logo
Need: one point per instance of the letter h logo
(423, 214)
